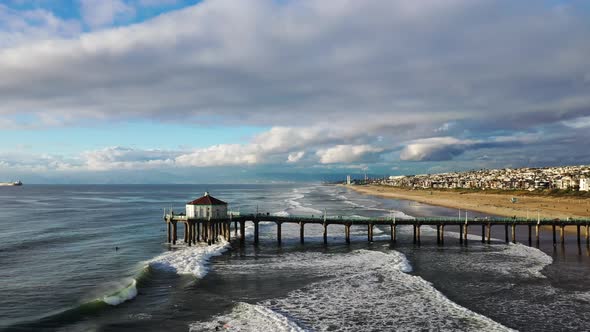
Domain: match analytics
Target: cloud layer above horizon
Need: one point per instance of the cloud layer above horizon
(393, 86)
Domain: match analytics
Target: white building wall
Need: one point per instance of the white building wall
(584, 184)
(206, 211)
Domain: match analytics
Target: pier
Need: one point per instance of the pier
(209, 230)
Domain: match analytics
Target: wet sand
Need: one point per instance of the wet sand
(492, 203)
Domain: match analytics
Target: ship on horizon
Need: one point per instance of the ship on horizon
(15, 183)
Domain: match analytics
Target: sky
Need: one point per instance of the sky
(178, 91)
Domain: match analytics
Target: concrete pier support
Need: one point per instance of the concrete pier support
(195, 237)
(530, 235)
(242, 233)
(489, 233)
(301, 232)
(587, 235)
(256, 232)
(414, 226)
(235, 228)
(197, 232)
(537, 231)
(174, 233)
(506, 233)
(442, 234)
(169, 232)
(578, 234)
(513, 233)
(438, 234)
(279, 225)
(554, 235)
(393, 233)
(418, 233)
(460, 234)
(483, 233)
(562, 235)
(347, 232)
(465, 233)
(370, 232)
(325, 233)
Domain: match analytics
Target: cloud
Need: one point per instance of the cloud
(155, 3)
(346, 153)
(313, 62)
(101, 13)
(30, 26)
(295, 156)
(126, 158)
(435, 149)
(336, 81)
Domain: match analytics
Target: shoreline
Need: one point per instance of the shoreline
(494, 204)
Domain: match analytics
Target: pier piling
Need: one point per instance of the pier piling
(347, 232)
(465, 233)
(460, 234)
(256, 232)
(438, 234)
(279, 225)
(562, 235)
(513, 233)
(325, 233)
(506, 232)
(483, 233)
(301, 231)
(442, 234)
(554, 235)
(174, 233)
(242, 233)
(530, 235)
(489, 233)
(169, 231)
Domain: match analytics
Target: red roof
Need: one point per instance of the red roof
(207, 200)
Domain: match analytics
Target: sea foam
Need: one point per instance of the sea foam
(122, 295)
(248, 317)
(189, 260)
(359, 290)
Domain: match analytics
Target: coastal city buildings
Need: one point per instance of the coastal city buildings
(562, 178)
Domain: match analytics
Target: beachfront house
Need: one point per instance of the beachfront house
(206, 207)
(584, 184)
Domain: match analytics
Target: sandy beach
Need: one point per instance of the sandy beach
(492, 203)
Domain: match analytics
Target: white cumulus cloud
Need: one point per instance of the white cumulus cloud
(346, 153)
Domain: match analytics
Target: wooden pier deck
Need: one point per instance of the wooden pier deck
(209, 230)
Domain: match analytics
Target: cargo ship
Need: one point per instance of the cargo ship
(16, 183)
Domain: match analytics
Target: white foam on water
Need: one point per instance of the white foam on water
(511, 259)
(360, 290)
(190, 260)
(122, 295)
(532, 260)
(281, 214)
(248, 317)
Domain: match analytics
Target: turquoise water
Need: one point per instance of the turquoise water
(94, 258)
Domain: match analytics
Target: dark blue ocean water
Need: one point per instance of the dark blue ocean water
(60, 269)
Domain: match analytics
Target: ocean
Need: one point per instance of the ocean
(94, 258)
